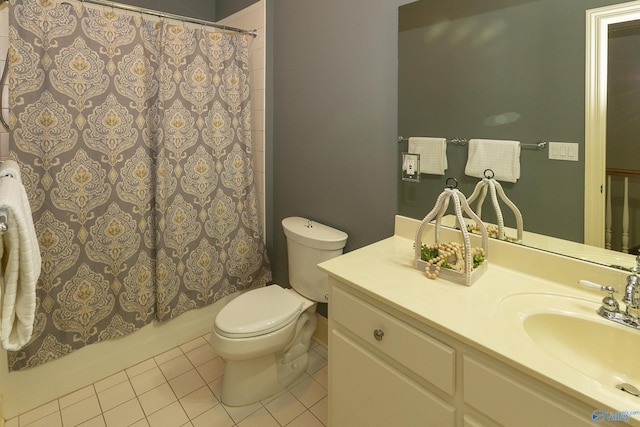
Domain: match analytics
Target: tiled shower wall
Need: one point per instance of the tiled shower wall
(253, 17)
(4, 45)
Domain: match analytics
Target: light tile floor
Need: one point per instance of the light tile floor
(182, 388)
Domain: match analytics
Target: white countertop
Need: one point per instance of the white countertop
(385, 271)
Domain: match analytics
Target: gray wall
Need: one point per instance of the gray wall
(201, 9)
(209, 10)
(225, 8)
(333, 96)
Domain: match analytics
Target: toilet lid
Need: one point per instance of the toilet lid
(258, 312)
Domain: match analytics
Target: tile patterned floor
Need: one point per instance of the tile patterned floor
(182, 388)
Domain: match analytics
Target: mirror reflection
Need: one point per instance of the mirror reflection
(510, 70)
(623, 126)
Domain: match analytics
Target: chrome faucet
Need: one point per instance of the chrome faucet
(610, 309)
(632, 292)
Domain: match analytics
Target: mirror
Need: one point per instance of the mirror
(611, 109)
(514, 70)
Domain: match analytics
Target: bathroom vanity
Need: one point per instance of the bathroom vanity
(520, 347)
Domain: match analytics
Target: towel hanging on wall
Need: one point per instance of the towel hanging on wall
(433, 154)
(501, 156)
(19, 266)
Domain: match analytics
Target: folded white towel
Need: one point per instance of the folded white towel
(19, 266)
(433, 154)
(11, 169)
(501, 156)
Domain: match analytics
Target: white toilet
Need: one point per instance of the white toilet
(263, 335)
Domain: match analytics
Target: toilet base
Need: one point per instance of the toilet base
(251, 380)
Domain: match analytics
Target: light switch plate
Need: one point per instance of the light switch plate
(564, 151)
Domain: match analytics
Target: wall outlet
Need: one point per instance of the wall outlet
(411, 167)
(564, 151)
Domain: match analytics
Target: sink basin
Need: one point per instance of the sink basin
(570, 330)
(603, 351)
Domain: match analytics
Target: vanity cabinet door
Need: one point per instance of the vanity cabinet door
(365, 391)
(496, 393)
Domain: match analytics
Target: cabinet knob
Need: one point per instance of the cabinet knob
(378, 334)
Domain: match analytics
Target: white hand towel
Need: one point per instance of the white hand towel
(19, 266)
(11, 169)
(501, 156)
(433, 154)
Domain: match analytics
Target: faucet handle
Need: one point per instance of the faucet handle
(592, 285)
(610, 307)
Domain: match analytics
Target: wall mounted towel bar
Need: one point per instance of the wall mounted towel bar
(463, 141)
(455, 141)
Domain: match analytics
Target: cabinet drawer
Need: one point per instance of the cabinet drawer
(423, 355)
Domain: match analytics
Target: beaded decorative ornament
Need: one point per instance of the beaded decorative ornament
(450, 255)
(456, 258)
(489, 184)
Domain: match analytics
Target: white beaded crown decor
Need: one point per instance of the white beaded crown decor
(457, 258)
(497, 194)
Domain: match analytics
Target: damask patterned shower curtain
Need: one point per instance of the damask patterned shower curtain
(134, 141)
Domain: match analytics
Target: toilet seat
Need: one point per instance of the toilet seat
(258, 312)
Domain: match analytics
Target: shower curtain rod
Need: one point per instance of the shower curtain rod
(159, 14)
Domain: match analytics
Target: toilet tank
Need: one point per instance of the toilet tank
(308, 244)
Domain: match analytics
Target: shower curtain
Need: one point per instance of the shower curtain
(134, 141)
